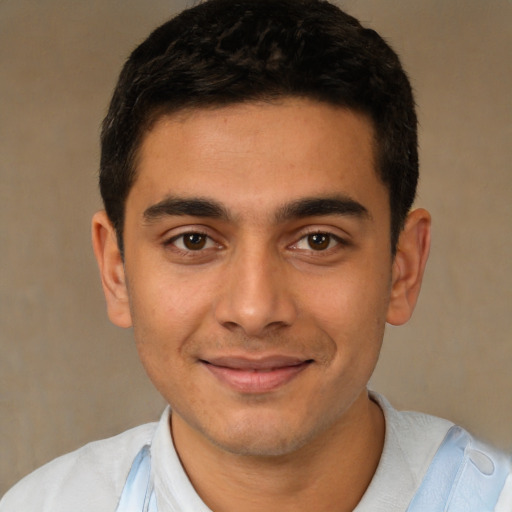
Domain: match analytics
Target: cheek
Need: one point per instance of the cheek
(348, 299)
(351, 312)
(162, 322)
(167, 301)
(163, 325)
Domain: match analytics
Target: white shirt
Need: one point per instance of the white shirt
(92, 478)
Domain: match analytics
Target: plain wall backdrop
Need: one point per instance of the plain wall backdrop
(68, 377)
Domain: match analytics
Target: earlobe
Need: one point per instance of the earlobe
(110, 263)
(408, 266)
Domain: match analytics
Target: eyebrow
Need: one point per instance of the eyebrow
(322, 206)
(302, 208)
(195, 207)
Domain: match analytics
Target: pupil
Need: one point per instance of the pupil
(318, 241)
(194, 241)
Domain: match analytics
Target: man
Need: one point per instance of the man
(259, 163)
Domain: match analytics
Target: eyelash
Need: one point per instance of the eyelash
(210, 243)
(187, 251)
(339, 241)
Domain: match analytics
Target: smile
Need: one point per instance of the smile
(255, 376)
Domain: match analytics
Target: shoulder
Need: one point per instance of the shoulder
(414, 437)
(411, 441)
(432, 462)
(465, 471)
(90, 478)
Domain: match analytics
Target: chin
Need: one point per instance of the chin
(257, 444)
(263, 437)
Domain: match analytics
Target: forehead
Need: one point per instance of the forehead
(258, 151)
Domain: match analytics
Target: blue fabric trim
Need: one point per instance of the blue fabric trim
(464, 476)
(138, 494)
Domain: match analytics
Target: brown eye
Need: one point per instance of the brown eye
(194, 241)
(319, 241)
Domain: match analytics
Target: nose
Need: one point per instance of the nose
(255, 296)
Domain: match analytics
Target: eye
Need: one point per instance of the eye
(318, 242)
(192, 241)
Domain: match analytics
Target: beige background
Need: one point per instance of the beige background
(67, 376)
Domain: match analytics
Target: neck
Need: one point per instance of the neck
(331, 472)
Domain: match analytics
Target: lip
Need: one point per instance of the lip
(256, 376)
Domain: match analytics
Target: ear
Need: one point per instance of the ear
(111, 266)
(408, 266)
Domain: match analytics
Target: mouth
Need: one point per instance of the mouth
(255, 376)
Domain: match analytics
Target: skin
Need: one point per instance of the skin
(262, 325)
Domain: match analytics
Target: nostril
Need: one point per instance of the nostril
(231, 326)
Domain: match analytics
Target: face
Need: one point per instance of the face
(258, 269)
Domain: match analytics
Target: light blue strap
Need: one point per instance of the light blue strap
(138, 494)
(464, 476)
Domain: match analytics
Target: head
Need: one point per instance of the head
(224, 52)
(258, 165)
